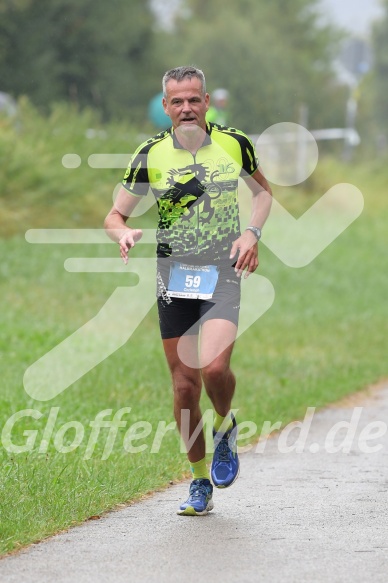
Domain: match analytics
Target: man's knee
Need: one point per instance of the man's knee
(215, 372)
(187, 391)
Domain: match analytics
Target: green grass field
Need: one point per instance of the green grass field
(323, 338)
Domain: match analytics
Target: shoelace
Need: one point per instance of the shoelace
(198, 490)
(223, 449)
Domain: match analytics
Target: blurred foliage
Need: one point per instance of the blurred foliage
(380, 79)
(272, 56)
(90, 52)
(371, 95)
(36, 190)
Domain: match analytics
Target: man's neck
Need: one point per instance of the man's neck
(190, 138)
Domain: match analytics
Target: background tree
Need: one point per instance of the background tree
(272, 56)
(380, 76)
(89, 51)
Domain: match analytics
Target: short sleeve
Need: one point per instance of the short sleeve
(250, 162)
(136, 179)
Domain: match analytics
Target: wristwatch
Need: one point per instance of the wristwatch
(256, 231)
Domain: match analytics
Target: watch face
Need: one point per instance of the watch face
(256, 231)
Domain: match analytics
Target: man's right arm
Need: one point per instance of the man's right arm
(115, 223)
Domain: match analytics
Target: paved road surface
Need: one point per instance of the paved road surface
(311, 517)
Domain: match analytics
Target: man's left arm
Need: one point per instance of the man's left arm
(247, 244)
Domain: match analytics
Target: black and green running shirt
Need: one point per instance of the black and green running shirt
(196, 194)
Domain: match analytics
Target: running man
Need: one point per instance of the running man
(193, 169)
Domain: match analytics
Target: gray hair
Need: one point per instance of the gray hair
(180, 73)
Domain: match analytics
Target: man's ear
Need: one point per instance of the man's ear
(164, 102)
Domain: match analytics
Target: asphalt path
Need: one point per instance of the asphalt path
(319, 514)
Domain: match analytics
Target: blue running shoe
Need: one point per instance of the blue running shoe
(225, 465)
(200, 500)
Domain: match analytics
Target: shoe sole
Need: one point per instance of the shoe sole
(190, 511)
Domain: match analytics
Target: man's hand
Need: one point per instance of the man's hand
(128, 240)
(247, 245)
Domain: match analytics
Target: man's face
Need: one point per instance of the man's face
(185, 103)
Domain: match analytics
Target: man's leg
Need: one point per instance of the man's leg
(217, 343)
(187, 384)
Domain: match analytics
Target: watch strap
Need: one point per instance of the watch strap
(255, 230)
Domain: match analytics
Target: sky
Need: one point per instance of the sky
(353, 15)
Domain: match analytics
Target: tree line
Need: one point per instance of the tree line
(273, 57)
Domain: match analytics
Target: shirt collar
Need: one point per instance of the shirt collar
(206, 142)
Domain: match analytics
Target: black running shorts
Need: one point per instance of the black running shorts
(179, 316)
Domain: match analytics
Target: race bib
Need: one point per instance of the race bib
(192, 281)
